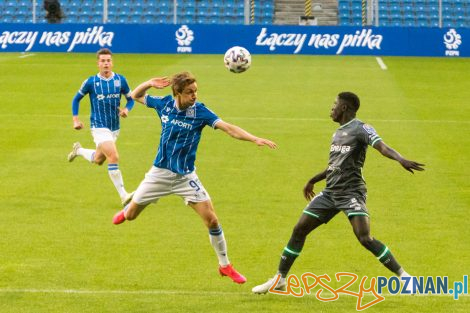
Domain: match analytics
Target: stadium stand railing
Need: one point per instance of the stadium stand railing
(143, 11)
(397, 13)
(405, 13)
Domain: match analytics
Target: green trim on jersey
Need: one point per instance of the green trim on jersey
(291, 252)
(375, 141)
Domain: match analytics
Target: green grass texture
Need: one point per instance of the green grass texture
(60, 252)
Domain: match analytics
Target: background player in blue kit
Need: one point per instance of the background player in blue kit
(104, 90)
(345, 190)
(173, 172)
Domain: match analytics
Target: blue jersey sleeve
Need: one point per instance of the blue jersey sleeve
(156, 102)
(76, 103)
(210, 117)
(126, 91)
(85, 87)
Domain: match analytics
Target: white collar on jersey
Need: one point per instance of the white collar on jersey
(178, 109)
(104, 78)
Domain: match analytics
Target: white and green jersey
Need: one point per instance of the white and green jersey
(347, 155)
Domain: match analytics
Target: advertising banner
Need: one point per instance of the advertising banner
(216, 39)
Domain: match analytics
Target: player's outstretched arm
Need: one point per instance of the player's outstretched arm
(390, 153)
(308, 189)
(241, 134)
(138, 94)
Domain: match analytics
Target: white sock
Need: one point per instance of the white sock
(404, 274)
(87, 154)
(216, 236)
(116, 178)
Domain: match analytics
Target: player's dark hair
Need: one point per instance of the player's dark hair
(180, 81)
(351, 100)
(103, 51)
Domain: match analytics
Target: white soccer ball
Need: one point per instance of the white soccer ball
(237, 59)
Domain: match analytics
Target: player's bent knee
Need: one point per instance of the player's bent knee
(113, 160)
(366, 241)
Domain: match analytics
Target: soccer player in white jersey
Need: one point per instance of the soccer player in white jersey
(345, 190)
(105, 90)
(173, 172)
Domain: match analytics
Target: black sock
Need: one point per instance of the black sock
(287, 260)
(384, 255)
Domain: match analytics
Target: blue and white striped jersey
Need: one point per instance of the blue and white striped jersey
(105, 99)
(181, 132)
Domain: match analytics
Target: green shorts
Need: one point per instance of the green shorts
(326, 205)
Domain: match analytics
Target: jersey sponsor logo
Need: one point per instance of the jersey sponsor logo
(181, 124)
(110, 96)
(339, 148)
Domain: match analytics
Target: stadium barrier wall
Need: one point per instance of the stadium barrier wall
(216, 39)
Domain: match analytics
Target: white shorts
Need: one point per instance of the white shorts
(101, 135)
(160, 182)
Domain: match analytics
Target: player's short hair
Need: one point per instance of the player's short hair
(103, 51)
(351, 100)
(180, 81)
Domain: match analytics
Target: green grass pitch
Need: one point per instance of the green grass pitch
(59, 251)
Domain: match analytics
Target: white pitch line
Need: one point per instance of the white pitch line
(290, 119)
(180, 292)
(381, 63)
(26, 55)
(140, 292)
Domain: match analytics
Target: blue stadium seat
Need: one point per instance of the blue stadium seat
(90, 11)
(343, 7)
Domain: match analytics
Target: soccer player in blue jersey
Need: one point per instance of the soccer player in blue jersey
(173, 172)
(345, 190)
(105, 90)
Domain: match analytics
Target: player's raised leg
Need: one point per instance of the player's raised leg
(205, 209)
(77, 150)
(130, 212)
